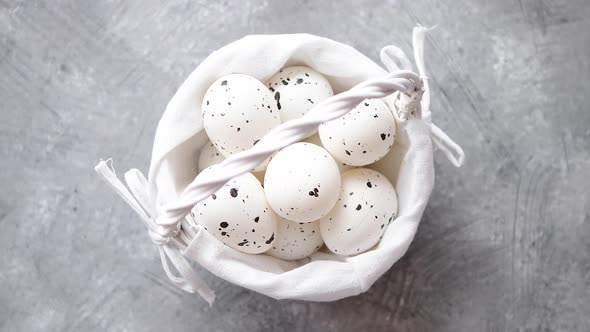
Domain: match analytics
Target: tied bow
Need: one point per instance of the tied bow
(393, 57)
(163, 236)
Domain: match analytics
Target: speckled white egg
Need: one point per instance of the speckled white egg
(302, 182)
(238, 110)
(298, 89)
(315, 139)
(367, 204)
(362, 136)
(209, 156)
(238, 215)
(295, 240)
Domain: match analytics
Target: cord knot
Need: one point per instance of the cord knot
(161, 235)
(408, 106)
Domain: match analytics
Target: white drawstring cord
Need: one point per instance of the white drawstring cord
(452, 150)
(418, 39)
(389, 55)
(163, 236)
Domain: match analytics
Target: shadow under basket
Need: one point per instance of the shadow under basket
(163, 202)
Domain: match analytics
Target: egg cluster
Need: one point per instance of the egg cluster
(313, 193)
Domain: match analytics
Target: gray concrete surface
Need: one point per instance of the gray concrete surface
(504, 244)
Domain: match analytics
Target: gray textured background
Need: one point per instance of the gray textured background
(504, 243)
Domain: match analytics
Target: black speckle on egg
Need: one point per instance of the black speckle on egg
(348, 229)
(256, 219)
(285, 82)
(366, 104)
(272, 237)
(214, 196)
(233, 192)
(299, 80)
(241, 244)
(311, 101)
(383, 136)
(347, 152)
(223, 224)
(369, 184)
(238, 129)
(278, 99)
(256, 141)
(207, 102)
(224, 83)
(358, 207)
(314, 192)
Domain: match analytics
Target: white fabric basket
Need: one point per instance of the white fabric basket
(165, 200)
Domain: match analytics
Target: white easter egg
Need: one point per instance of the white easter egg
(238, 215)
(367, 204)
(315, 139)
(302, 182)
(362, 136)
(238, 110)
(298, 89)
(295, 240)
(209, 156)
